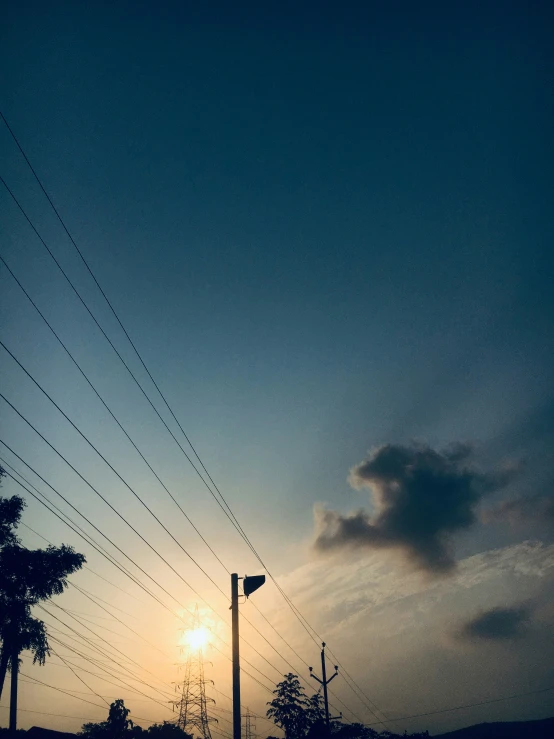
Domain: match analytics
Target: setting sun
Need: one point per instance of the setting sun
(196, 638)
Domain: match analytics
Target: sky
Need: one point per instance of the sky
(327, 230)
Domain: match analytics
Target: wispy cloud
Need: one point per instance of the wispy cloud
(347, 597)
(421, 496)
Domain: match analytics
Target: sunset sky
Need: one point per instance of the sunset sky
(327, 229)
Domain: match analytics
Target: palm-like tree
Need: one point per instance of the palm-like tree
(26, 577)
(31, 635)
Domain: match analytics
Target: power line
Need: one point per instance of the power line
(257, 669)
(61, 715)
(53, 687)
(134, 493)
(83, 592)
(235, 521)
(123, 518)
(111, 343)
(232, 516)
(95, 663)
(62, 222)
(23, 486)
(112, 561)
(79, 678)
(85, 376)
(37, 384)
(105, 654)
(106, 406)
(60, 690)
(129, 438)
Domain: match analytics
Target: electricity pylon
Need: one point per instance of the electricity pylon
(250, 725)
(193, 704)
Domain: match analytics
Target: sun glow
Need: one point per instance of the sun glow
(197, 638)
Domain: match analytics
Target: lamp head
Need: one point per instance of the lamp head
(252, 583)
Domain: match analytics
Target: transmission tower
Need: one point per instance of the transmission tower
(193, 704)
(250, 725)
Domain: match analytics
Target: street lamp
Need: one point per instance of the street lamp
(249, 586)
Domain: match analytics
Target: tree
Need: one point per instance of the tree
(315, 713)
(10, 513)
(166, 730)
(26, 577)
(289, 708)
(300, 716)
(117, 725)
(353, 731)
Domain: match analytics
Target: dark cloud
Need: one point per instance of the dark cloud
(519, 510)
(422, 496)
(497, 624)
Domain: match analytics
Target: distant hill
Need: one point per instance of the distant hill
(542, 729)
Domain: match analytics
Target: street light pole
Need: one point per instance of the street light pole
(250, 585)
(236, 658)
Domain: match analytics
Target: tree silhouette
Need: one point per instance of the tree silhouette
(300, 716)
(289, 708)
(315, 713)
(26, 577)
(166, 730)
(118, 726)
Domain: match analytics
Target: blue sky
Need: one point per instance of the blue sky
(326, 228)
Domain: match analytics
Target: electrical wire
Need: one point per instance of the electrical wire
(99, 550)
(231, 515)
(94, 389)
(219, 637)
(79, 678)
(121, 516)
(60, 690)
(109, 410)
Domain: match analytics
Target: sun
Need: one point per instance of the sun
(197, 638)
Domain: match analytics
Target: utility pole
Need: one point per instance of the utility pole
(13, 692)
(250, 585)
(325, 682)
(236, 659)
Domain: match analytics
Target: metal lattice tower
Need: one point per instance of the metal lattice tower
(193, 705)
(250, 725)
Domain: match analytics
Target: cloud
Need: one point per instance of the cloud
(497, 624)
(517, 510)
(421, 497)
(372, 602)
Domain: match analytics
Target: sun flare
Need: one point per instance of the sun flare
(197, 638)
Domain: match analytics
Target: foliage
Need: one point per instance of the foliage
(7, 734)
(119, 726)
(353, 731)
(300, 716)
(10, 513)
(116, 726)
(166, 730)
(289, 708)
(359, 731)
(315, 709)
(27, 577)
(315, 713)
